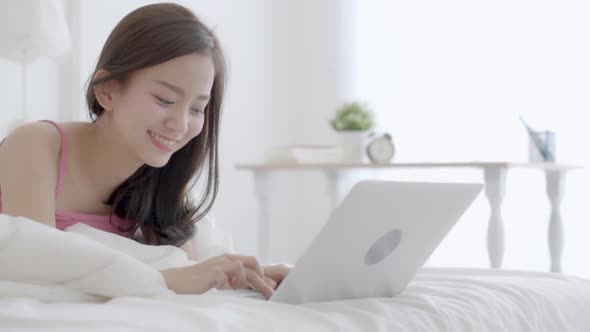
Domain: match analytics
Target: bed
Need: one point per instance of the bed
(86, 279)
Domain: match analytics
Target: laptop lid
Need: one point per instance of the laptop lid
(375, 240)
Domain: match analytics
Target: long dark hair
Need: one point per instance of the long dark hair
(158, 198)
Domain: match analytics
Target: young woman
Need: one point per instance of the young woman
(154, 99)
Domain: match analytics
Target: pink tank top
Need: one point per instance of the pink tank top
(64, 219)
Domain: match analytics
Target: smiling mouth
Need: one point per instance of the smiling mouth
(163, 142)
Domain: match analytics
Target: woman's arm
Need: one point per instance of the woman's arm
(29, 160)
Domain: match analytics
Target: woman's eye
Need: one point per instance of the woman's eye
(196, 110)
(164, 101)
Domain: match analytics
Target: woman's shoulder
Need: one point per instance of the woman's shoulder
(31, 138)
(38, 133)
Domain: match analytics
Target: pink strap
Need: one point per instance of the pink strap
(62, 158)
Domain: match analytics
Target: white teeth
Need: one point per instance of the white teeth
(161, 139)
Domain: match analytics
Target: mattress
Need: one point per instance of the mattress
(88, 280)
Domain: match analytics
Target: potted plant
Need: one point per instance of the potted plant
(352, 122)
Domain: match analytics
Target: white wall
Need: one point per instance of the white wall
(454, 77)
(449, 80)
(42, 91)
(32, 87)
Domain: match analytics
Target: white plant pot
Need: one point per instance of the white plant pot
(353, 144)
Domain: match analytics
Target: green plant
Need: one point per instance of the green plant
(353, 116)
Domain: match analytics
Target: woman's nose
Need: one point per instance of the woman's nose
(177, 121)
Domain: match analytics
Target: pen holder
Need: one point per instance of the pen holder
(542, 146)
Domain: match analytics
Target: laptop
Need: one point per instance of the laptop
(376, 240)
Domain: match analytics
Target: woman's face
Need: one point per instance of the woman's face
(161, 108)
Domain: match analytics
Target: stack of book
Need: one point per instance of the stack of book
(304, 154)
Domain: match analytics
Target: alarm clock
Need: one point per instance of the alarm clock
(380, 149)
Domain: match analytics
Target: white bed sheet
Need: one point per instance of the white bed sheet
(438, 299)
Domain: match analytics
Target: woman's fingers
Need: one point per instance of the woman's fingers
(241, 271)
(236, 273)
(219, 278)
(232, 272)
(250, 262)
(259, 284)
(270, 282)
(222, 272)
(277, 272)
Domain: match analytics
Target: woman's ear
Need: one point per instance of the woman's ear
(105, 92)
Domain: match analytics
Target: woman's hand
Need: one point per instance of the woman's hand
(221, 272)
(276, 272)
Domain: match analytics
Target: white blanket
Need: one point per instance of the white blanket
(85, 279)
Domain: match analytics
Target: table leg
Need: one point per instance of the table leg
(333, 184)
(555, 187)
(495, 184)
(261, 187)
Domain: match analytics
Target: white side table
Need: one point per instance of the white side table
(494, 174)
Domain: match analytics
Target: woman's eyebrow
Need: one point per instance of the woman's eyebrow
(177, 89)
